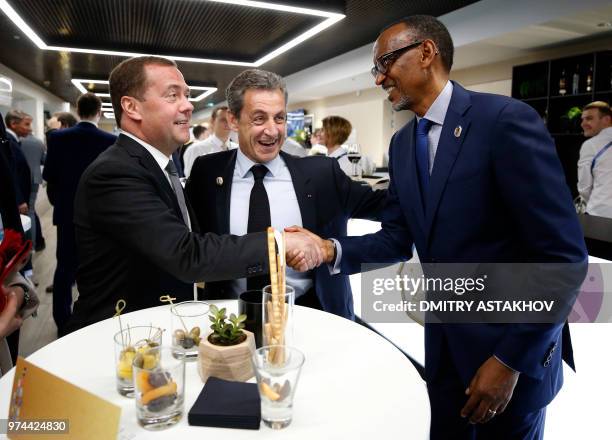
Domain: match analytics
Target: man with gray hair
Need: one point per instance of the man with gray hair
(258, 185)
(18, 126)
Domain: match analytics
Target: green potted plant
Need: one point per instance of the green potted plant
(226, 352)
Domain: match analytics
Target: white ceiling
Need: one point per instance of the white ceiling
(485, 32)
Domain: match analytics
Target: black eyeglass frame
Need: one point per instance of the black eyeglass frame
(383, 62)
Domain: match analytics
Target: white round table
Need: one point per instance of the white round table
(353, 385)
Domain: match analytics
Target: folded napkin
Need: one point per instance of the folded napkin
(227, 404)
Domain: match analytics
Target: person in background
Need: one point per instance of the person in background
(70, 152)
(34, 151)
(595, 162)
(293, 147)
(336, 130)
(10, 319)
(316, 143)
(19, 125)
(61, 120)
(219, 140)
(200, 133)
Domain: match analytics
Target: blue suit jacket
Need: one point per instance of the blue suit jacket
(69, 152)
(497, 194)
(327, 199)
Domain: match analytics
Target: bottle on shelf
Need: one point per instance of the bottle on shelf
(562, 90)
(576, 80)
(589, 80)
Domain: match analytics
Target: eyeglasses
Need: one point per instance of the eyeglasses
(383, 62)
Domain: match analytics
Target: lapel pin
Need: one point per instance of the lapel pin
(458, 131)
(219, 181)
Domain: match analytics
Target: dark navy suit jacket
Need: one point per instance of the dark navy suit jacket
(327, 199)
(69, 152)
(497, 194)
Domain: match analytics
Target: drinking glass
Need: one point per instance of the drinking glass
(188, 322)
(128, 343)
(354, 156)
(277, 312)
(277, 382)
(159, 388)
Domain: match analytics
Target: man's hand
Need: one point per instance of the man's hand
(23, 209)
(326, 246)
(303, 251)
(10, 319)
(490, 391)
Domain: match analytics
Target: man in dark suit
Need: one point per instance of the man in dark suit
(70, 152)
(19, 125)
(136, 237)
(313, 192)
(474, 179)
(9, 213)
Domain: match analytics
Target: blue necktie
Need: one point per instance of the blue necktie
(422, 156)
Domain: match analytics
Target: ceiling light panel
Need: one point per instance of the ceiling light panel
(198, 93)
(313, 21)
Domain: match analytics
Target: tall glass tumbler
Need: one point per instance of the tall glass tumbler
(277, 312)
(159, 388)
(128, 343)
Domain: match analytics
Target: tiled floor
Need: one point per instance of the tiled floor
(41, 330)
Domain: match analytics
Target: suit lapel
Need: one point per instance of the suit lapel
(223, 194)
(303, 191)
(136, 150)
(454, 131)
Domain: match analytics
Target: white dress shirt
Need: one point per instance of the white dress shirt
(436, 114)
(159, 157)
(212, 144)
(284, 209)
(595, 186)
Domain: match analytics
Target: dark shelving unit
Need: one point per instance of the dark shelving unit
(557, 89)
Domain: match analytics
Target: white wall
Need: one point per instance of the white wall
(375, 121)
(32, 99)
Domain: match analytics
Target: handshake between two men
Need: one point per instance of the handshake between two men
(306, 250)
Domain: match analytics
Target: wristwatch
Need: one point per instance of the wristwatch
(26, 292)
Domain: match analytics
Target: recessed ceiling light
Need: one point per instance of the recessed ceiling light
(6, 84)
(109, 115)
(330, 19)
(78, 83)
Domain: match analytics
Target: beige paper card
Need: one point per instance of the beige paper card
(43, 406)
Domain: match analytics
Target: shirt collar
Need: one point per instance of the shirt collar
(338, 152)
(89, 122)
(161, 159)
(8, 130)
(244, 164)
(606, 131)
(437, 111)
